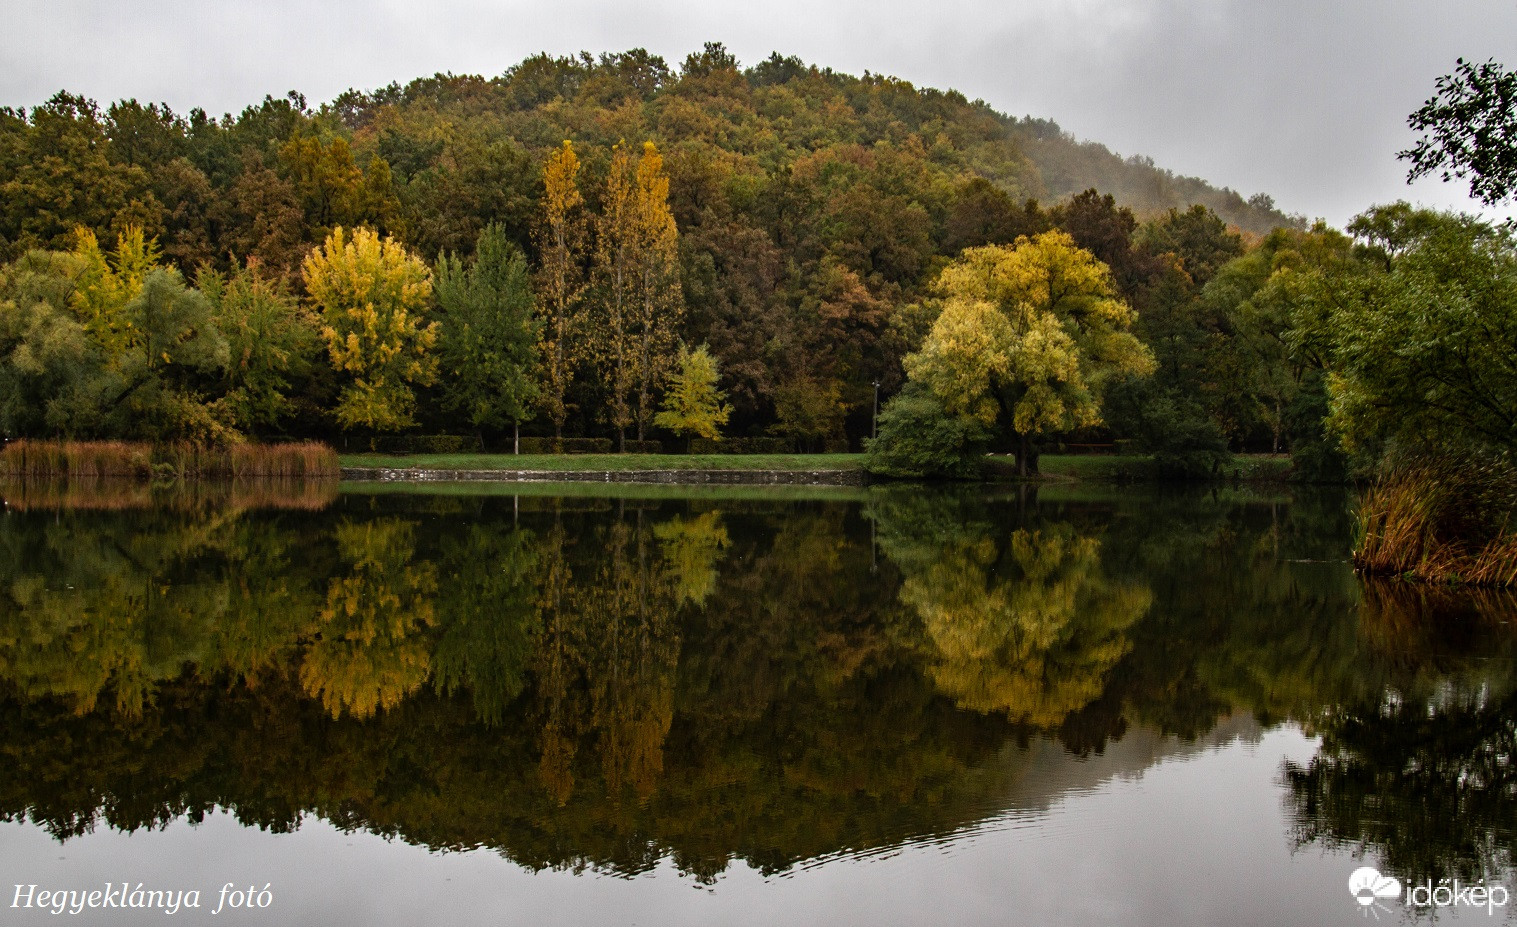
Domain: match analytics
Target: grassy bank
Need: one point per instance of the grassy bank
(86, 461)
(1080, 467)
(615, 462)
(1138, 468)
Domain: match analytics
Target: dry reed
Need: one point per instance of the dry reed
(1449, 521)
(95, 460)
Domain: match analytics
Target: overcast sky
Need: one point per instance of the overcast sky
(1302, 99)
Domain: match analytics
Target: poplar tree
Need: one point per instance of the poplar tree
(637, 269)
(615, 250)
(560, 281)
(659, 302)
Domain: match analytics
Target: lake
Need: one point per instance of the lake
(536, 704)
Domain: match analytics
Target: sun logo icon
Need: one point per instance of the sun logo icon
(1369, 887)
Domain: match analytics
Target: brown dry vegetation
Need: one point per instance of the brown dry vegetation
(1445, 522)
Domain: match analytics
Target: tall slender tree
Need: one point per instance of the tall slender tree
(616, 246)
(560, 281)
(660, 302)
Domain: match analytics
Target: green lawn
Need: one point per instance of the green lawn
(563, 462)
(1112, 468)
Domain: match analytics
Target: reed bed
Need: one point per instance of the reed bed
(1449, 521)
(80, 460)
(85, 461)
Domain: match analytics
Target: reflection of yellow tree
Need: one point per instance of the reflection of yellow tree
(691, 551)
(1031, 633)
(369, 654)
(606, 655)
(559, 655)
(632, 610)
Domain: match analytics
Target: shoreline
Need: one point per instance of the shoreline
(820, 477)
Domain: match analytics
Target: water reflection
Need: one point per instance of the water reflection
(611, 682)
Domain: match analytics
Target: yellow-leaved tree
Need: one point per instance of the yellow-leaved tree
(1028, 337)
(641, 301)
(372, 295)
(560, 281)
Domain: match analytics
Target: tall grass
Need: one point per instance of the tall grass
(80, 461)
(1442, 521)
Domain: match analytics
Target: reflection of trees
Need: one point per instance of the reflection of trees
(490, 616)
(1028, 625)
(370, 651)
(92, 603)
(611, 682)
(1427, 782)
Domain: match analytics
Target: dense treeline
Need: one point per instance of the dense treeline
(805, 214)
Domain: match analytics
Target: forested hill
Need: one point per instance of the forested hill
(813, 211)
(434, 161)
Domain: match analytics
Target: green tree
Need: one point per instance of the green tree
(693, 404)
(272, 343)
(1422, 355)
(1471, 126)
(373, 295)
(489, 333)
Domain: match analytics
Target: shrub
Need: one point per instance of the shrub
(567, 446)
(426, 444)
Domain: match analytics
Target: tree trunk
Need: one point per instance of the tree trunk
(516, 438)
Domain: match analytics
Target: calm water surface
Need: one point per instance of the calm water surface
(608, 705)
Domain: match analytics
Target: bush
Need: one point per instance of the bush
(743, 446)
(645, 447)
(918, 437)
(76, 461)
(567, 446)
(426, 444)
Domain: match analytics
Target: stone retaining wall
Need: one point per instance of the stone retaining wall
(733, 477)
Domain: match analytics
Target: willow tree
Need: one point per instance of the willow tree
(372, 294)
(1027, 339)
(560, 281)
(637, 271)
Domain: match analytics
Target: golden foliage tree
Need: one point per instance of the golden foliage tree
(1034, 331)
(560, 280)
(372, 295)
(637, 269)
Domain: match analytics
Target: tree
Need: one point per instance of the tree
(693, 404)
(660, 302)
(1471, 126)
(489, 333)
(272, 343)
(637, 269)
(1422, 356)
(1028, 338)
(372, 295)
(560, 281)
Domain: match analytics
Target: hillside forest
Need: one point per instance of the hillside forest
(771, 256)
